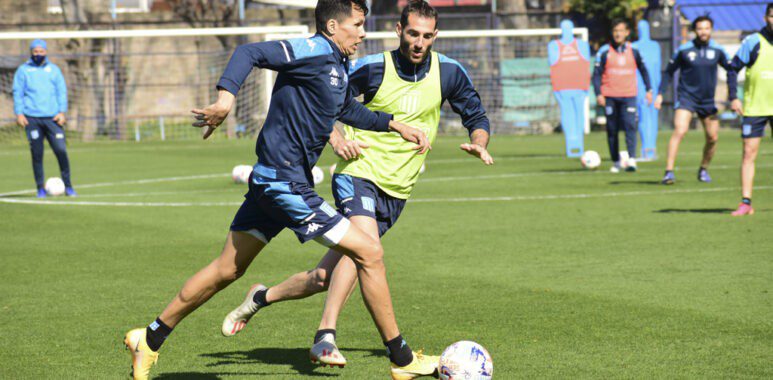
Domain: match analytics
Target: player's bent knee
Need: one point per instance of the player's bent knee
(371, 255)
(320, 279)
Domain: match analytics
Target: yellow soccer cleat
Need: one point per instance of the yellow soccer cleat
(422, 365)
(142, 356)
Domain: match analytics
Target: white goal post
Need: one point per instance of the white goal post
(138, 84)
(509, 68)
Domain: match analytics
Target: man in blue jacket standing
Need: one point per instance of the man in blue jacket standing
(39, 102)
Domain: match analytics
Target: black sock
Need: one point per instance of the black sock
(399, 352)
(321, 333)
(669, 171)
(702, 169)
(260, 298)
(156, 334)
(747, 201)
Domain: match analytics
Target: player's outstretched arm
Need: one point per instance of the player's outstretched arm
(213, 115)
(477, 146)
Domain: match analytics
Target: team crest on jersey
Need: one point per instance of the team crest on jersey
(569, 49)
(47, 69)
(691, 56)
(621, 60)
(711, 54)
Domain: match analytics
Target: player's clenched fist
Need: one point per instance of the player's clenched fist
(214, 115)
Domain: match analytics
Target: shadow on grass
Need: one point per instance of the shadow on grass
(297, 358)
(640, 182)
(695, 211)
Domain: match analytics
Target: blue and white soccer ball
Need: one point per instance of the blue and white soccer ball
(465, 360)
(318, 175)
(590, 159)
(54, 186)
(241, 173)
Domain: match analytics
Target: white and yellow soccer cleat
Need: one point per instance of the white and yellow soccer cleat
(142, 356)
(237, 319)
(325, 352)
(422, 365)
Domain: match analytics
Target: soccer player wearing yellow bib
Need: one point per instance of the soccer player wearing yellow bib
(756, 54)
(376, 174)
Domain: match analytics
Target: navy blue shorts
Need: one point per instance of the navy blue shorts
(359, 196)
(754, 126)
(271, 206)
(703, 109)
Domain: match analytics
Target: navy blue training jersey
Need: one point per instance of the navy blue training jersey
(697, 64)
(311, 92)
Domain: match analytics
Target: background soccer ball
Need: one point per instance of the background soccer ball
(465, 360)
(54, 186)
(241, 173)
(332, 169)
(590, 159)
(318, 175)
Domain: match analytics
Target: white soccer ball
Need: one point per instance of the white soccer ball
(241, 173)
(465, 360)
(332, 169)
(318, 175)
(590, 159)
(54, 186)
(422, 169)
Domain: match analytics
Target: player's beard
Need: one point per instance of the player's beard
(405, 47)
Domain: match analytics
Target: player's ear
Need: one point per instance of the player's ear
(331, 26)
(399, 29)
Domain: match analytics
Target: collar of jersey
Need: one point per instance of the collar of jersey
(336, 51)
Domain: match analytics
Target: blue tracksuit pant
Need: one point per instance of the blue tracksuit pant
(621, 115)
(46, 127)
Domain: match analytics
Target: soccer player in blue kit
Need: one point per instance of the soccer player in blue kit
(697, 63)
(311, 92)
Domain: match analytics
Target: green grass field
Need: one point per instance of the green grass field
(560, 272)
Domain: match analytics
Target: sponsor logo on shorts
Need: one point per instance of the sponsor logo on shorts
(609, 110)
(631, 109)
(34, 135)
(313, 227)
(747, 129)
(60, 136)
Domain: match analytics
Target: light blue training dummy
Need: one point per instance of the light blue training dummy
(569, 60)
(648, 115)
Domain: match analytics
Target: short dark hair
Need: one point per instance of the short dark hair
(702, 19)
(420, 8)
(619, 21)
(770, 8)
(336, 10)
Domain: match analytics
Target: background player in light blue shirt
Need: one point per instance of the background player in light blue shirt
(40, 102)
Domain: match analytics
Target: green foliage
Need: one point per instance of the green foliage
(600, 13)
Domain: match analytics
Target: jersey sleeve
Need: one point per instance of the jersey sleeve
(732, 76)
(747, 53)
(272, 55)
(19, 83)
(61, 91)
(598, 69)
(456, 87)
(366, 74)
(645, 76)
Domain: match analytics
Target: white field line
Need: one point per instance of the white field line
(129, 182)
(580, 196)
(418, 200)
